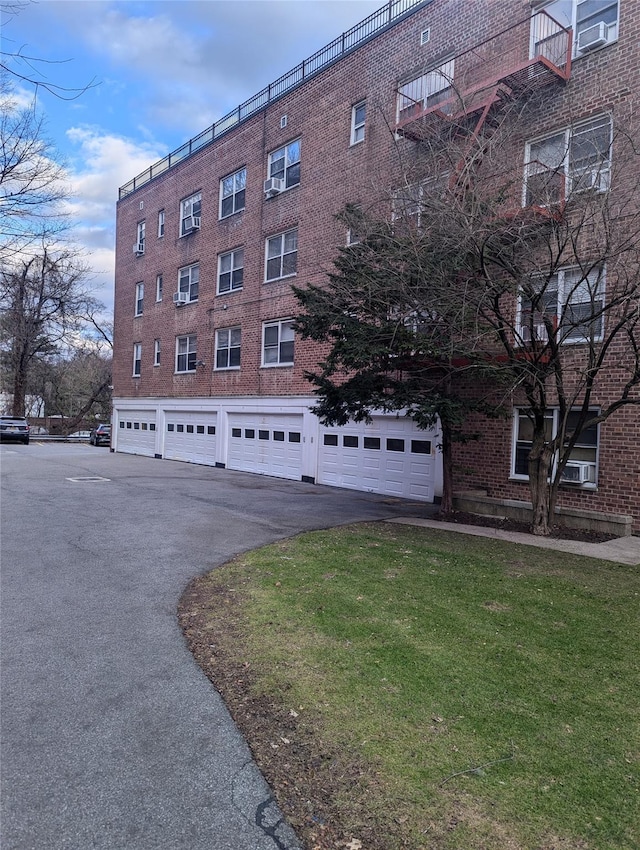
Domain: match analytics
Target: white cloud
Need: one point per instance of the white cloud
(103, 162)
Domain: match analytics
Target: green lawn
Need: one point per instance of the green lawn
(491, 689)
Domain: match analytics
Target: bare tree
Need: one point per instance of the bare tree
(532, 286)
(45, 305)
(32, 182)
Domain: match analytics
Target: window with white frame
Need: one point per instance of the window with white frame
(582, 466)
(189, 281)
(230, 271)
(139, 299)
(137, 359)
(140, 235)
(190, 210)
(594, 24)
(426, 91)
(277, 343)
(285, 164)
(160, 223)
(575, 159)
(158, 287)
(156, 352)
(232, 193)
(186, 353)
(571, 302)
(358, 117)
(228, 348)
(281, 255)
(356, 229)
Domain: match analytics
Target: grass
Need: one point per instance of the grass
(491, 690)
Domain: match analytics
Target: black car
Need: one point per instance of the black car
(100, 435)
(14, 428)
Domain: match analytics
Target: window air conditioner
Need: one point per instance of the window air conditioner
(539, 331)
(180, 298)
(596, 179)
(579, 472)
(190, 223)
(591, 37)
(273, 186)
(138, 249)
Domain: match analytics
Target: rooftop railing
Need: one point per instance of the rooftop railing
(370, 27)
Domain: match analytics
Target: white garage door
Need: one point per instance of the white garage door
(388, 456)
(267, 444)
(137, 432)
(190, 437)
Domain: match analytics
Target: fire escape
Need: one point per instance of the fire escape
(471, 90)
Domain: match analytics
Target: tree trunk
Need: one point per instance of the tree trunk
(446, 506)
(539, 467)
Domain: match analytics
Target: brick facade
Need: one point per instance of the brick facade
(334, 172)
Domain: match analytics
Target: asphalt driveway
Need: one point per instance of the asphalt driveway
(111, 735)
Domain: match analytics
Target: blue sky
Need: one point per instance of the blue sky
(159, 72)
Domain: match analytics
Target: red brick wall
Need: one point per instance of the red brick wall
(333, 173)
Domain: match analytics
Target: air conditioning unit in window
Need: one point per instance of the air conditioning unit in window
(539, 331)
(190, 223)
(591, 180)
(592, 37)
(138, 249)
(180, 298)
(273, 186)
(579, 472)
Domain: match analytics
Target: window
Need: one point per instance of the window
(138, 248)
(156, 352)
(158, 287)
(160, 224)
(282, 255)
(583, 461)
(594, 24)
(277, 343)
(425, 91)
(137, 359)
(395, 445)
(232, 193)
(139, 299)
(407, 206)
(285, 164)
(190, 214)
(575, 159)
(571, 300)
(228, 348)
(189, 280)
(358, 115)
(230, 271)
(186, 353)
(357, 228)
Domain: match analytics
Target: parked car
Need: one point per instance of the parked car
(101, 435)
(14, 428)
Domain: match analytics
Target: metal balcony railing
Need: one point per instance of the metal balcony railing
(528, 55)
(376, 23)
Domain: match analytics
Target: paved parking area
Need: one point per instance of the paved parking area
(111, 736)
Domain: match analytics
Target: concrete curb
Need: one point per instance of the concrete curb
(622, 550)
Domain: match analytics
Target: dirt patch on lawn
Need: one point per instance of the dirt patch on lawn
(324, 793)
(558, 532)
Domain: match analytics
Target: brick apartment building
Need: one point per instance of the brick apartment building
(207, 367)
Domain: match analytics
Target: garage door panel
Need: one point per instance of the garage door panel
(190, 436)
(269, 444)
(389, 456)
(137, 432)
